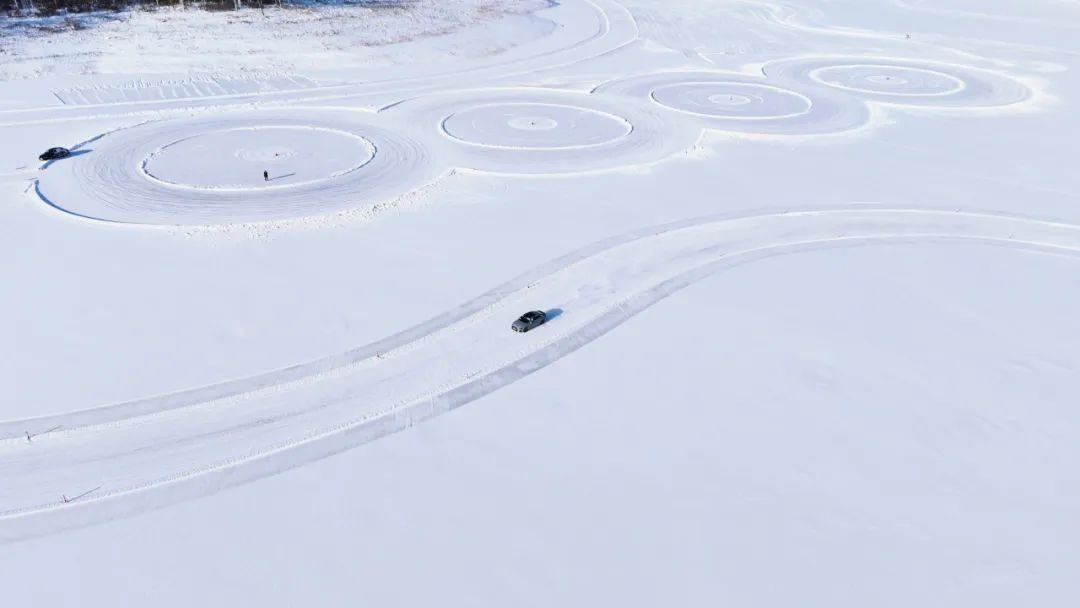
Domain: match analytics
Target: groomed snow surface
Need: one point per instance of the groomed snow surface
(811, 289)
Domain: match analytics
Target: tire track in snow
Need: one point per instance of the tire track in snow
(733, 102)
(530, 130)
(159, 451)
(910, 82)
(113, 183)
(623, 123)
(594, 29)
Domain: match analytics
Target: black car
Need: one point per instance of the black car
(529, 320)
(55, 153)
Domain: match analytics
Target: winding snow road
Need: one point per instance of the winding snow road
(95, 465)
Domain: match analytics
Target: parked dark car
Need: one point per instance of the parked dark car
(529, 320)
(55, 153)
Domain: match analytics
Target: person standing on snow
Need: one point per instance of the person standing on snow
(266, 176)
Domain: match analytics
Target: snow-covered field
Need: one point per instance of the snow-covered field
(811, 268)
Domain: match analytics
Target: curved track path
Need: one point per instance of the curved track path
(531, 130)
(122, 180)
(586, 30)
(909, 82)
(728, 101)
(99, 464)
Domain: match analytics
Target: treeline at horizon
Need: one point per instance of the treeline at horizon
(46, 8)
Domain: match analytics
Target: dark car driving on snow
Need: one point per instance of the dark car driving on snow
(529, 320)
(55, 153)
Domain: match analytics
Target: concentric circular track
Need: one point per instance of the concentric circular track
(907, 82)
(209, 170)
(735, 102)
(523, 130)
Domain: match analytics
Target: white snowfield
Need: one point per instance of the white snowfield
(808, 267)
(155, 451)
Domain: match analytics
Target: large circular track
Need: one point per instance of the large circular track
(735, 102)
(894, 80)
(539, 126)
(234, 159)
(209, 170)
(907, 82)
(531, 131)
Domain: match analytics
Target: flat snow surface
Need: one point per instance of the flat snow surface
(810, 269)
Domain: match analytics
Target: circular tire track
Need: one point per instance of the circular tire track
(735, 102)
(199, 162)
(732, 100)
(889, 80)
(537, 131)
(538, 126)
(907, 82)
(121, 180)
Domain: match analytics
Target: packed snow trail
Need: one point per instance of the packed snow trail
(193, 171)
(101, 464)
(586, 30)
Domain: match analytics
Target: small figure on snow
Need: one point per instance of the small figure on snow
(266, 176)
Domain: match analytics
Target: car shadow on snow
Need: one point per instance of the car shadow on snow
(552, 313)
